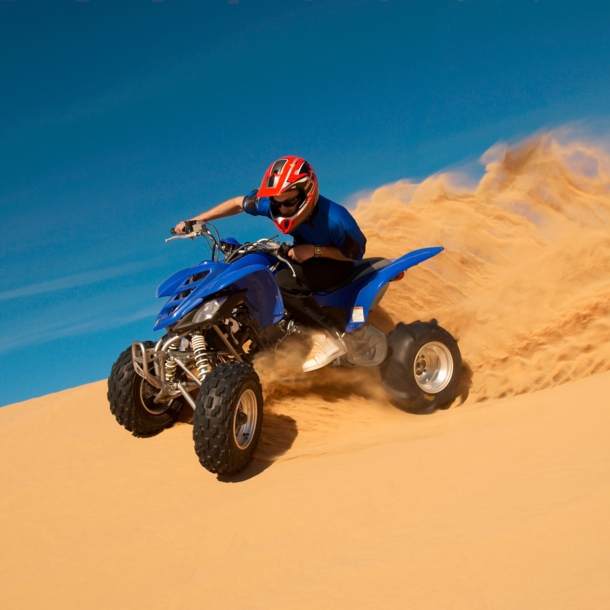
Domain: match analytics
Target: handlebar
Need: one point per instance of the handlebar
(193, 228)
(188, 225)
(196, 228)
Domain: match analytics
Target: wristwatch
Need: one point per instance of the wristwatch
(317, 251)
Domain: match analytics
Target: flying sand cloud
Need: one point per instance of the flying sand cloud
(523, 281)
(522, 284)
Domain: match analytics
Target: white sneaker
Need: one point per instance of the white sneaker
(325, 349)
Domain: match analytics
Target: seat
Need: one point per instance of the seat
(361, 269)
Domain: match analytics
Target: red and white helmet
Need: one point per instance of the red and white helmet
(286, 174)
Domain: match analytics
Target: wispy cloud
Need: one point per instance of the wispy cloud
(90, 322)
(79, 279)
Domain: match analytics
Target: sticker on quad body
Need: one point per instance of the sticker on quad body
(358, 314)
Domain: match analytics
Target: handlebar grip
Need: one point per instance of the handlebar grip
(188, 227)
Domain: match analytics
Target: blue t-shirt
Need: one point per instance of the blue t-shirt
(330, 224)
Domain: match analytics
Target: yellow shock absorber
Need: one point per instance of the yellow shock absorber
(201, 357)
(170, 363)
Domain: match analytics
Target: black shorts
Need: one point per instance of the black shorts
(313, 275)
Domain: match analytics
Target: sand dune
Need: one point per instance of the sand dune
(500, 502)
(496, 505)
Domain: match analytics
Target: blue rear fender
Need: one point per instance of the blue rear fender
(357, 298)
(250, 273)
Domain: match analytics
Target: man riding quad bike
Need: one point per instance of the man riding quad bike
(327, 241)
(249, 297)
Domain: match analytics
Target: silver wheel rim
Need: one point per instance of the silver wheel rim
(433, 367)
(244, 420)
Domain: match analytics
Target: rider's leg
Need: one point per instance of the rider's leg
(305, 309)
(316, 275)
(319, 274)
(328, 344)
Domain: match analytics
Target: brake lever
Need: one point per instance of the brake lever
(286, 262)
(181, 236)
(194, 228)
(274, 248)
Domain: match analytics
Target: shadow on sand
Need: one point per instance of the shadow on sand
(278, 434)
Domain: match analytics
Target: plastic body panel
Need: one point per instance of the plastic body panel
(167, 287)
(362, 293)
(251, 273)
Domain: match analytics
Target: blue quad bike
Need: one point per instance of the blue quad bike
(223, 311)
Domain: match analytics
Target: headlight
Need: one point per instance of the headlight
(208, 309)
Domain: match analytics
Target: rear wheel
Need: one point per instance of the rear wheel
(423, 367)
(228, 418)
(132, 402)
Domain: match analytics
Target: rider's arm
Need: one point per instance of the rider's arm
(303, 252)
(230, 207)
(334, 253)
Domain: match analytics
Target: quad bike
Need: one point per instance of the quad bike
(223, 311)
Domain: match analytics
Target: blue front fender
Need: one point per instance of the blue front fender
(263, 292)
(250, 273)
(169, 286)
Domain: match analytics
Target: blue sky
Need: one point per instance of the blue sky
(120, 118)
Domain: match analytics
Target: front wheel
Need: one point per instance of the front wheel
(132, 401)
(228, 418)
(423, 367)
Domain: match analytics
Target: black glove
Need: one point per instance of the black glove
(250, 202)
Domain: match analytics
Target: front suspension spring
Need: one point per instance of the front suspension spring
(170, 363)
(201, 356)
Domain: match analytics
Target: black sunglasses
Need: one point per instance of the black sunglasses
(286, 204)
